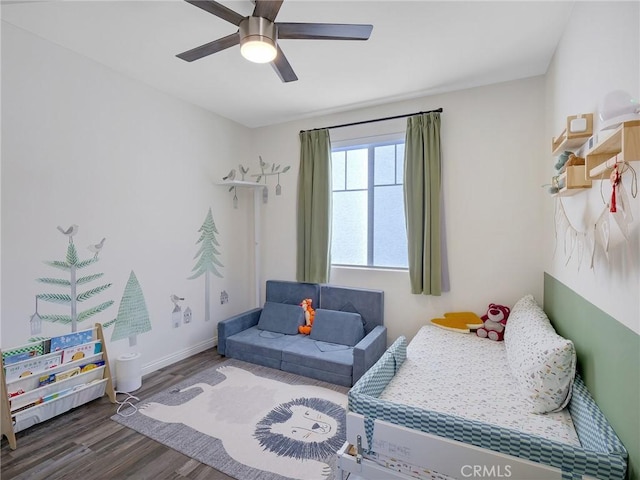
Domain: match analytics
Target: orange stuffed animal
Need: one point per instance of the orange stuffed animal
(309, 314)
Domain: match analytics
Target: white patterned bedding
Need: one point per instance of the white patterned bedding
(477, 385)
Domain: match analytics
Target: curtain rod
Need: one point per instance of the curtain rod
(437, 110)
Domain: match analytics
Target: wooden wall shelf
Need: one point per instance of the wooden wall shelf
(568, 140)
(574, 181)
(623, 145)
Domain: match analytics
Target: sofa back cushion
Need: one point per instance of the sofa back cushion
(368, 303)
(331, 326)
(281, 318)
(292, 293)
(542, 362)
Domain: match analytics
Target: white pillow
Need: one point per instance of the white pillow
(543, 362)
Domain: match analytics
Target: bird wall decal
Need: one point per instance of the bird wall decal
(175, 299)
(243, 171)
(69, 232)
(263, 165)
(97, 247)
(176, 313)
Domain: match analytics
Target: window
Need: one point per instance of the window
(368, 207)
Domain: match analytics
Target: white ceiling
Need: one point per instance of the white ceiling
(416, 48)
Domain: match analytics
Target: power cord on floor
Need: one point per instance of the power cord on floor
(126, 403)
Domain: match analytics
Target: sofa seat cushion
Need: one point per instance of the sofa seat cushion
(281, 318)
(305, 353)
(256, 342)
(330, 347)
(331, 326)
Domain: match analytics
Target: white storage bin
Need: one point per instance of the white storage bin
(129, 372)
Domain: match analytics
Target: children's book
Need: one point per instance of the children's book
(72, 372)
(71, 340)
(90, 366)
(81, 351)
(16, 393)
(19, 357)
(33, 366)
(46, 379)
(25, 352)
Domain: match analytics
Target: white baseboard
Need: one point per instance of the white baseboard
(177, 356)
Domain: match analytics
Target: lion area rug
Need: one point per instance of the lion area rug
(248, 421)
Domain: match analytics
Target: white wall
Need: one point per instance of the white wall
(599, 53)
(83, 144)
(493, 151)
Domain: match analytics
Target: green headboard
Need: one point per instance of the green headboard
(608, 360)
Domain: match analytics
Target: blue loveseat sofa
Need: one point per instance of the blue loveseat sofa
(347, 338)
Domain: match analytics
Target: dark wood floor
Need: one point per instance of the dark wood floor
(85, 444)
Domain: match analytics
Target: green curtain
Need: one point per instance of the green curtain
(314, 207)
(422, 184)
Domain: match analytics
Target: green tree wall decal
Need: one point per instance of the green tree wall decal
(207, 259)
(133, 316)
(72, 265)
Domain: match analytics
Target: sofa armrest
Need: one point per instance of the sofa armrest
(236, 324)
(368, 351)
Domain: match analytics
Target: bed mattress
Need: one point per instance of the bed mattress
(476, 385)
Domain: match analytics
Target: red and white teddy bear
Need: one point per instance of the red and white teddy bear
(494, 322)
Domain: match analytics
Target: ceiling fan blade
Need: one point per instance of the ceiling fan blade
(283, 68)
(211, 47)
(267, 9)
(323, 31)
(218, 10)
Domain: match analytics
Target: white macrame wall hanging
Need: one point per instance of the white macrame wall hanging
(575, 243)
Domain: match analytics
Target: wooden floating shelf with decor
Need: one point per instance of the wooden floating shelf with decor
(568, 140)
(623, 145)
(573, 178)
(604, 169)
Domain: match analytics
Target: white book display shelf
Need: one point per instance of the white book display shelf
(27, 398)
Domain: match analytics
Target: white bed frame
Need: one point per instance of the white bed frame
(442, 455)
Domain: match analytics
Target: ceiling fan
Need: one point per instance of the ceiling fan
(258, 34)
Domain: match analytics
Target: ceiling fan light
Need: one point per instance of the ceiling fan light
(258, 49)
(257, 39)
